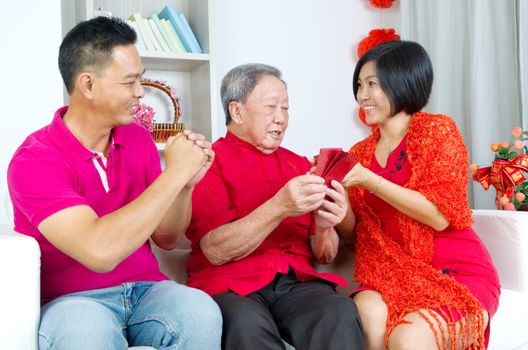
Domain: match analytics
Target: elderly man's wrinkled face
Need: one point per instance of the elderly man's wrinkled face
(264, 115)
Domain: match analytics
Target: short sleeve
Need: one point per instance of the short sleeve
(212, 206)
(41, 185)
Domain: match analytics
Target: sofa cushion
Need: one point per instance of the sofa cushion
(508, 326)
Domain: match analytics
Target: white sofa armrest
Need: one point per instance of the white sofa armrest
(20, 292)
(505, 234)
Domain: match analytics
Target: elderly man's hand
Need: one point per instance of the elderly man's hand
(332, 212)
(301, 195)
(325, 245)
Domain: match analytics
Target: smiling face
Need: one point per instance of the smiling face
(263, 118)
(117, 88)
(371, 96)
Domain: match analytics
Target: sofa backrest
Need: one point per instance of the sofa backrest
(504, 233)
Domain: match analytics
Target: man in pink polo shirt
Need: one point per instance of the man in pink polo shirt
(89, 188)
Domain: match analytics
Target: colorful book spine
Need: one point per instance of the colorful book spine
(151, 35)
(173, 35)
(187, 28)
(136, 17)
(158, 36)
(163, 32)
(170, 14)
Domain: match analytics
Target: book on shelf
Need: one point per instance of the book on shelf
(158, 36)
(136, 17)
(176, 41)
(154, 17)
(151, 35)
(140, 44)
(187, 28)
(170, 14)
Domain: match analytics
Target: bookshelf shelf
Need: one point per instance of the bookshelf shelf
(184, 62)
(190, 73)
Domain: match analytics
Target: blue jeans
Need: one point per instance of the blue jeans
(164, 315)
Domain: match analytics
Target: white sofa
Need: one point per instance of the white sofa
(504, 233)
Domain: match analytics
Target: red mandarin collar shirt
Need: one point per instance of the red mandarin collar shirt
(241, 179)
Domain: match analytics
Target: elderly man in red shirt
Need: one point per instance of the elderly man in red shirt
(259, 219)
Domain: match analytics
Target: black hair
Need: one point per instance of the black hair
(405, 73)
(89, 45)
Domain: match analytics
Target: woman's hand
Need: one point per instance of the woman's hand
(361, 177)
(409, 202)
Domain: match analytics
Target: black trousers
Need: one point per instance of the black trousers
(308, 315)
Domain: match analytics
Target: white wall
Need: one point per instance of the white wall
(313, 42)
(31, 88)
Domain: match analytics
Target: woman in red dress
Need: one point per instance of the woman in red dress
(427, 281)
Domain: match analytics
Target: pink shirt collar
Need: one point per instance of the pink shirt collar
(63, 138)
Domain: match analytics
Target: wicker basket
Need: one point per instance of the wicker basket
(162, 131)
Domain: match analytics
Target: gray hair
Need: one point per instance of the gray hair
(240, 81)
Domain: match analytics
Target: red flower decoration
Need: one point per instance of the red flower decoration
(376, 37)
(143, 115)
(382, 4)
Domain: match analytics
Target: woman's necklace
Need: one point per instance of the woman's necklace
(390, 146)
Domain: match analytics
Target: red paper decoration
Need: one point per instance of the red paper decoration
(382, 4)
(504, 175)
(376, 37)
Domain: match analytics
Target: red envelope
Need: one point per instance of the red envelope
(333, 164)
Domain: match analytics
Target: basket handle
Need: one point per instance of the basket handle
(163, 88)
